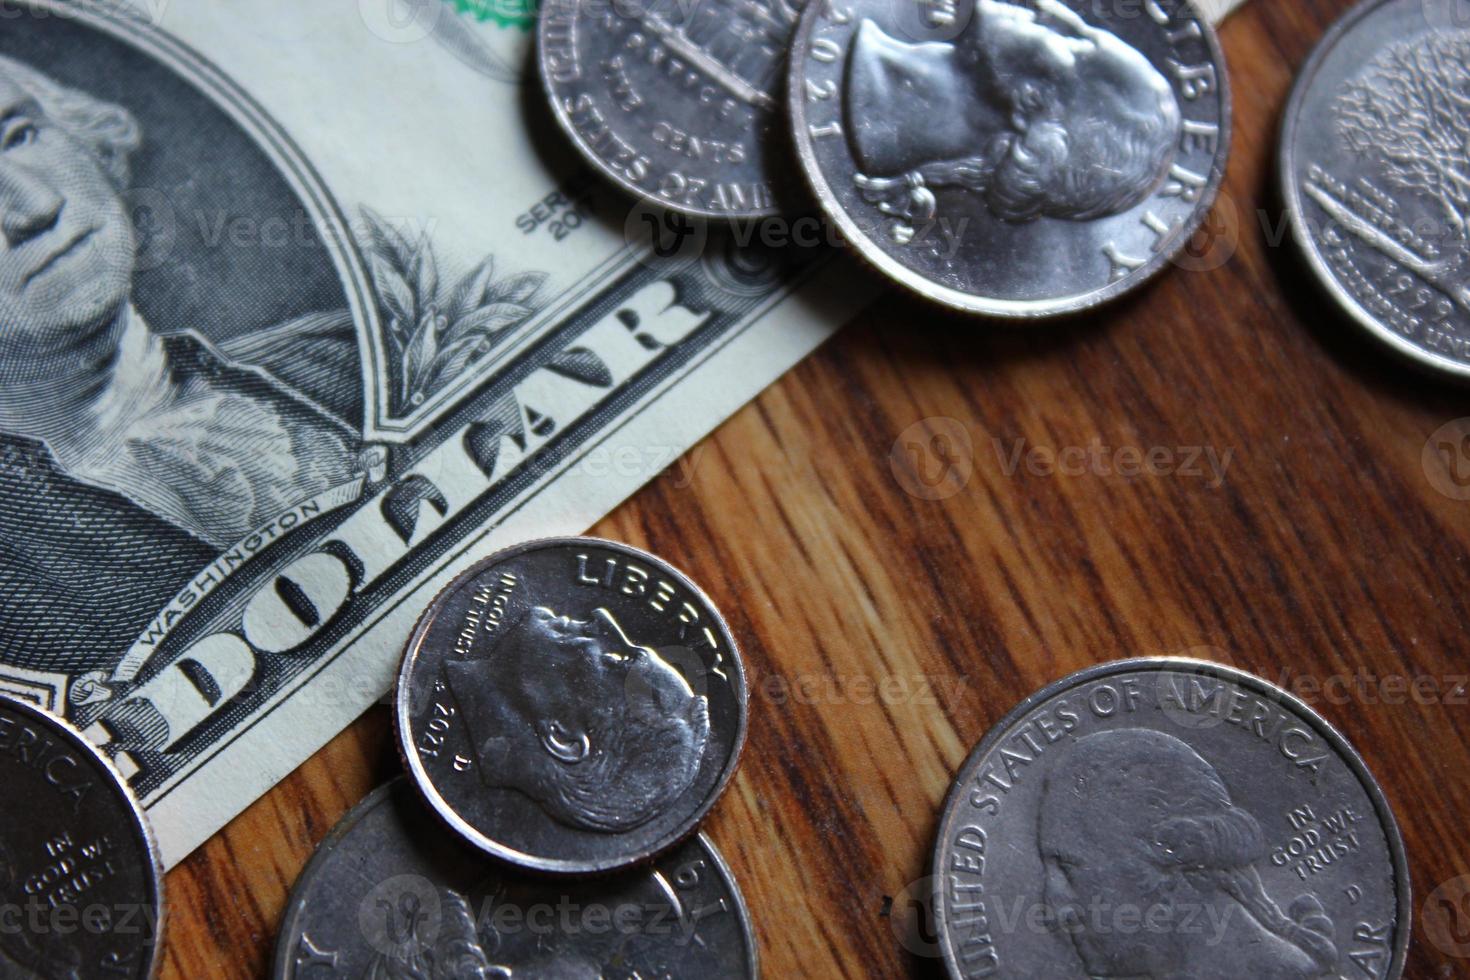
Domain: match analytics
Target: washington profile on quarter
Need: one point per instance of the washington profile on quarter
(1167, 818)
(572, 705)
(1375, 147)
(391, 894)
(679, 103)
(1011, 159)
(81, 886)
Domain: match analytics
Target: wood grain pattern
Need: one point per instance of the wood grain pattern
(1325, 551)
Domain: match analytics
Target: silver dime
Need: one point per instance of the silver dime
(1373, 163)
(390, 892)
(1168, 818)
(1011, 159)
(678, 102)
(81, 887)
(572, 705)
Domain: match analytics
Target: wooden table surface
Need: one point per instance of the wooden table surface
(894, 603)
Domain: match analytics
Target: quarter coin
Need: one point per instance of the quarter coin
(572, 705)
(1168, 818)
(1373, 164)
(1015, 160)
(390, 893)
(81, 887)
(679, 103)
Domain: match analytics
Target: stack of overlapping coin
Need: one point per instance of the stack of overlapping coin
(568, 710)
(1010, 159)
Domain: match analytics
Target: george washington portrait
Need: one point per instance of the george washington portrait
(171, 379)
(1137, 819)
(1032, 110)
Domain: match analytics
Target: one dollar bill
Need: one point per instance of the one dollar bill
(307, 307)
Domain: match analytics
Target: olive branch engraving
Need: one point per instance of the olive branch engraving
(438, 329)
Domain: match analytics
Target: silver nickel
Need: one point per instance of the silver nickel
(572, 705)
(390, 893)
(81, 886)
(1168, 818)
(1373, 162)
(678, 102)
(1009, 159)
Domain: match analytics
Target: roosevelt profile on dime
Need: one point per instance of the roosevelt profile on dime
(1035, 111)
(1137, 819)
(132, 456)
(601, 731)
